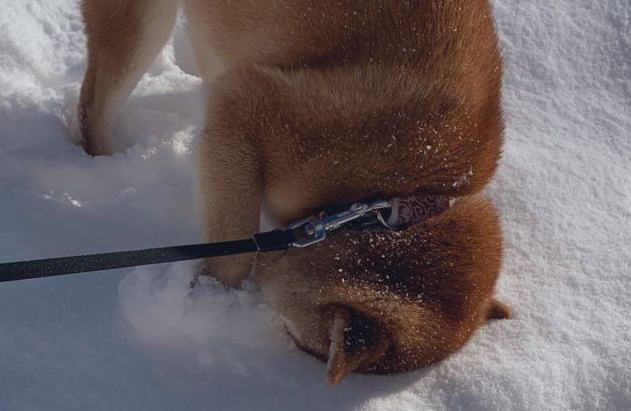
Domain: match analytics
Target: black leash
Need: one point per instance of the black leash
(303, 233)
(264, 242)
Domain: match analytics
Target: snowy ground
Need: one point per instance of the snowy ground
(136, 339)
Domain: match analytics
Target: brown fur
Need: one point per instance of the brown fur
(336, 101)
(424, 290)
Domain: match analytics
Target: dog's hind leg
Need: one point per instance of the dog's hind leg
(124, 37)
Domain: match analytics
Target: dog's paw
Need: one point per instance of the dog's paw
(75, 127)
(78, 134)
(231, 273)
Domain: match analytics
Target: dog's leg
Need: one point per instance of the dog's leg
(232, 190)
(209, 64)
(124, 37)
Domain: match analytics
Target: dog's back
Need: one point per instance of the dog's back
(335, 85)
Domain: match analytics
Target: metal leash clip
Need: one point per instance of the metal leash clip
(317, 229)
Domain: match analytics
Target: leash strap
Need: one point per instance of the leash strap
(264, 242)
(303, 233)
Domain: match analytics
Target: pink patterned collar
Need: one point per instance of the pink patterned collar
(416, 209)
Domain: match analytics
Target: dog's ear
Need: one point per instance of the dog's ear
(356, 343)
(337, 366)
(498, 310)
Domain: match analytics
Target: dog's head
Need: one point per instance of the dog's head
(389, 301)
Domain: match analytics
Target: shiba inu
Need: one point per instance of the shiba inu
(317, 102)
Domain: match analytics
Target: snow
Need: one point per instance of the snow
(141, 339)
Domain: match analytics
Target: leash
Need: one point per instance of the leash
(301, 234)
(52, 267)
(403, 211)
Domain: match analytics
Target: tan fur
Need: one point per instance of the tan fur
(337, 101)
(424, 290)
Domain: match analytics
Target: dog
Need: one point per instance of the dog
(317, 102)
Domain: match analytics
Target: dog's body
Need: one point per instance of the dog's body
(335, 101)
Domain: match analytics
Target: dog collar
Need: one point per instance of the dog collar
(416, 209)
(393, 214)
